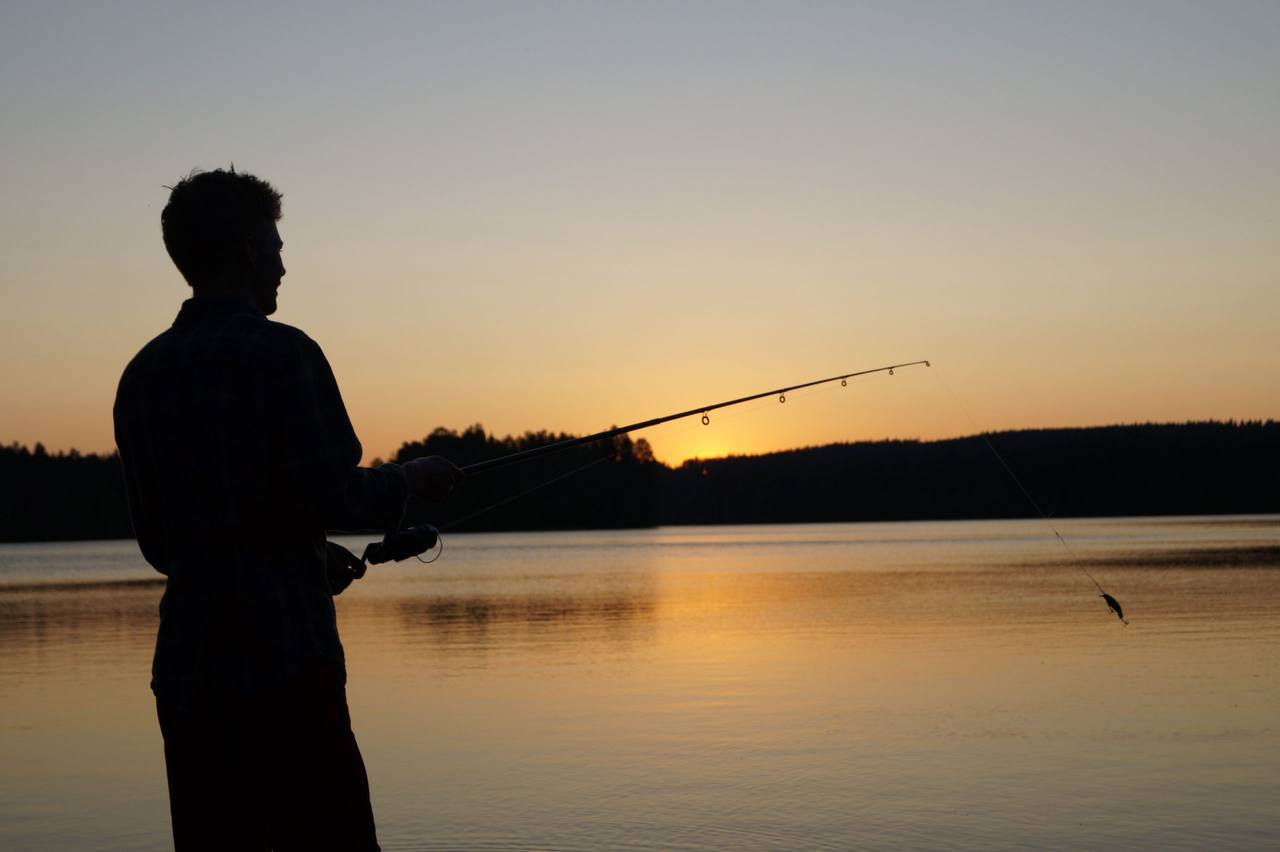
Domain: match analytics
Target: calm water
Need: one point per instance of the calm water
(882, 686)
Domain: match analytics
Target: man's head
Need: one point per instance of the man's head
(220, 229)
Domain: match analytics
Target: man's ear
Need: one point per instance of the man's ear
(246, 255)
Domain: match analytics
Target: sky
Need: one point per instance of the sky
(565, 216)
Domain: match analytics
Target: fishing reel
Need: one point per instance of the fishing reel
(343, 568)
(399, 545)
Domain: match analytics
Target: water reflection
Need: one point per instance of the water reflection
(1243, 556)
(451, 616)
(466, 626)
(884, 686)
(53, 634)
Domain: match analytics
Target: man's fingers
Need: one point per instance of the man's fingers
(342, 566)
(334, 551)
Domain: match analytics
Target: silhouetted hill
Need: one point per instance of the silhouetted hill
(1147, 469)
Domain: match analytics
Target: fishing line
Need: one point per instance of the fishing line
(400, 544)
(512, 498)
(504, 501)
(1076, 561)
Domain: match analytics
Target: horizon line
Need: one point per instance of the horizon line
(74, 452)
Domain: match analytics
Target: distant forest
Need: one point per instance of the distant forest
(1149, 469)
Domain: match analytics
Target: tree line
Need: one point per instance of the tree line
(1148, 469)
(1208, 467)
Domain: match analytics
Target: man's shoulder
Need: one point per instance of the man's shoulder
(264, 346)
(268, 333)
(288, 343)
(251, 330)
(285, 334)
(152, 351)
(237, 332)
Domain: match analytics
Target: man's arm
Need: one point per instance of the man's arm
(321, 454)
(149, 540)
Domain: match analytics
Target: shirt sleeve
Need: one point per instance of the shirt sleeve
(150, 542)
(150, 539)
(320, 454)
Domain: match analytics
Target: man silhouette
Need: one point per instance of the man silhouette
(238, 455)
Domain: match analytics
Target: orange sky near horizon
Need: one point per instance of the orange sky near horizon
(560, 217)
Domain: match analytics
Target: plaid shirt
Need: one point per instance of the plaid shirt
(238, 455)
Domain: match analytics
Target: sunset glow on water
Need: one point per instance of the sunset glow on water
(949, 685)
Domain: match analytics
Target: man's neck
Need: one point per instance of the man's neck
(224, 293)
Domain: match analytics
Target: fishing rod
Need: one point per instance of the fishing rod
(399, 545)
(704, 410)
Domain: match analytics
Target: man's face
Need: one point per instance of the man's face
(267, 268)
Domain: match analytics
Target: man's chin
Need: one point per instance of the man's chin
(268, 303)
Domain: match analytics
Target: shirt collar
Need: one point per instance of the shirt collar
(199, 308)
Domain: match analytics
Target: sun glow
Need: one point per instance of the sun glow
(676, 449)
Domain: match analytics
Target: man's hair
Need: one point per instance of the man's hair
(209, 216)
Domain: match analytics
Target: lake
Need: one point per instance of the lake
(950, 685)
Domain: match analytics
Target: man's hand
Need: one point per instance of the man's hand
(342, 566)
(431, 477)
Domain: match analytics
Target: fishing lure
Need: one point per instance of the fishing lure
(1114, 606)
